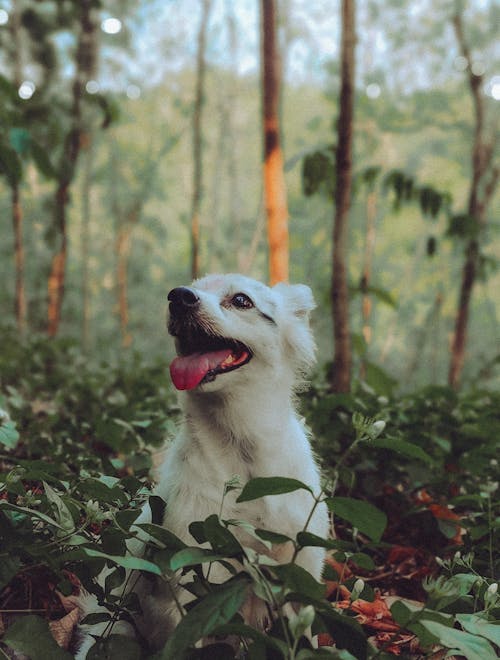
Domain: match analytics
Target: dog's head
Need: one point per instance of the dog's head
(230, 328)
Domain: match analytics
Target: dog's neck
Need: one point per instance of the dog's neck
(248, 422)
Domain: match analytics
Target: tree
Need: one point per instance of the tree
(17, 211)
(85, 61)
(20, 119)
(274, 178)
(197, 138)
(484, 180)
(341, 369)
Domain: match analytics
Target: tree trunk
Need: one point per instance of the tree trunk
(274, 177)
(86, 218)
(57, 273)
(85, 66)
(122, 252)
(483, 183)
(20, 296)
(366, 304)
(16, 57)
(366, 308)
(341, 371)
(197, 140)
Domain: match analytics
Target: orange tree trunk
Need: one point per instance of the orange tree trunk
(341, 371)
(274, 177)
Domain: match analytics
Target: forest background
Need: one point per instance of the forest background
(129, 188)
(139, 146)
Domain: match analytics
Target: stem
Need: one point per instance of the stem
(490, 540)
(317, 500)
(50, 544)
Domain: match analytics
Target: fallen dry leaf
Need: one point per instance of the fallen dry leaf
(62, 630)
(375, 615)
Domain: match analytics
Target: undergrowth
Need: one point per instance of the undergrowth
(411, 484)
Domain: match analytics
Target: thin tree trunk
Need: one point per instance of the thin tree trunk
(233, 160)
(366, 309)
(197, 139)
(366, 304)
(85, 65)
(123, 243)
(483, 183)
(56, 279)
(20, 296)
(274, 177)
(86, 217)
(341, 371)
(17, 211)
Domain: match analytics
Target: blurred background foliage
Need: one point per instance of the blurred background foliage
(128, 197)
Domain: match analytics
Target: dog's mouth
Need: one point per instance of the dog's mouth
(201, 361)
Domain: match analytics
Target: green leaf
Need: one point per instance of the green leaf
(42, 161)
(347, 632)
(297, 580)
(305, 539)
(10, 165)
(8, 433)
(476, 625)
(379, 379)
(220, 538)
(272, 537)
(193, 557)
(126, 517)
(404, 448)
(362, 560)
(364, 516)
(30, 513)
(472, 647)
(401, 613)
(114, 647)
(164, 536)
(263, 486)
(64, 517)
(318, 172)
(127, 561)
(31, 635)
(8, 568)
(20, 140)
(215, 610)
(96, 617)
(247, 632)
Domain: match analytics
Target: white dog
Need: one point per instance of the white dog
(243, 349)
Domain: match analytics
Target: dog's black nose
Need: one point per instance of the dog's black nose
(183, 297)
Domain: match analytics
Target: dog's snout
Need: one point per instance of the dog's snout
(182, 296)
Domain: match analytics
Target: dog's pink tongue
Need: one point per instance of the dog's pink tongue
(188, 372)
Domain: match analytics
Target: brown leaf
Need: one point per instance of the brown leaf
(62, 630)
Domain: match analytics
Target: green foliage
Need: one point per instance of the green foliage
(69, 503)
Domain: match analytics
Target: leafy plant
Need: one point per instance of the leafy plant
(409, 485)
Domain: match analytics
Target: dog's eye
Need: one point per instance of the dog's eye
(242, 301)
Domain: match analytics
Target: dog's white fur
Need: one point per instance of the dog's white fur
(242, 423)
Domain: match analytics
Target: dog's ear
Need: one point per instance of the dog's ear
(298, 298)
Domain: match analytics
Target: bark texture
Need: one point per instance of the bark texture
(484, 180)
(85, 66)
(197, 193)
(342, 362)
(274, 177)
